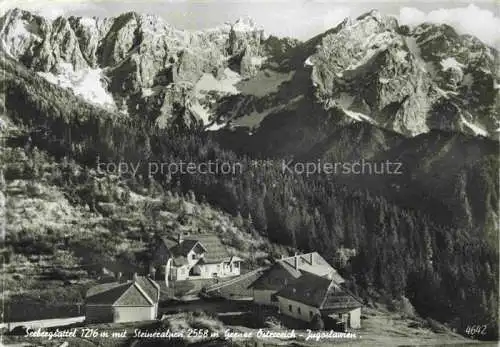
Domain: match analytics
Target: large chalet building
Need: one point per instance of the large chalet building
(305, 285)
(191, 257)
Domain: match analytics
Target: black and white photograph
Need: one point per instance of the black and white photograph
(249, 173)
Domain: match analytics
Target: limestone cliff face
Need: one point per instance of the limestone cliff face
(134, 53)
(407, 81)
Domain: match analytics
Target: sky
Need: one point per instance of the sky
(296, 18)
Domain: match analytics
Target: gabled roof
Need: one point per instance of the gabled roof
(182, 249)
(216, 252)
(284, 270)
(319, 292)
(134, 296)
(168, 242)
(140, 292)
(315, 264)
(107, 293)
(276, 277)
(150, 287)
(213, 249)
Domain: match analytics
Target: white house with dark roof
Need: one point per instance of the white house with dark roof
(126, 301)
(193, 257)
(306, 285)
(285, 270)
(311, 295)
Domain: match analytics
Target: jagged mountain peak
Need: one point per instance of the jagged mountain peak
(372, 14)
(244, 24)
(406, 80)
(132, 59)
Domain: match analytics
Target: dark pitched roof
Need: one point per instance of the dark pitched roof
(133, 296)
(314, 264)
(276, 277)
(283, 271)
(319, 292)
(216, 252)
(183, 248)
(149, 286)
(169, 243)
(107, 293)
(179, 251)
(131, 293)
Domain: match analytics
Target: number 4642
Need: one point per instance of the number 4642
(475, 330)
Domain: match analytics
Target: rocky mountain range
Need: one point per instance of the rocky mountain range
(367, 69)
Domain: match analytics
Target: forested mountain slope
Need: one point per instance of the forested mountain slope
(396, 245)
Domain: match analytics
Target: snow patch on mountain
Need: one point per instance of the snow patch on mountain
(308, 62)
(359, 117)
(215, 126)
(148, 92)
(226, 84)
(478, 131)
(450, 63)
(200, 112)
(86, 83)
(370, 53)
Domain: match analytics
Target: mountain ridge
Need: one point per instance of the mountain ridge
(366, 69)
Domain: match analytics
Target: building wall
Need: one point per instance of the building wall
(355, 318)
(133, 313)
(231, 269)
(205, 271)
(193, 256)
(99, 313)
(306, 312)
(181, 273)
(263, 297)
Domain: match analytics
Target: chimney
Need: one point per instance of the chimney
(135, 276)
(180, 237)
(119, 276)
(296, 258)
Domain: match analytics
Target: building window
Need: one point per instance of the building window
(193, 256)
(290, 308)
